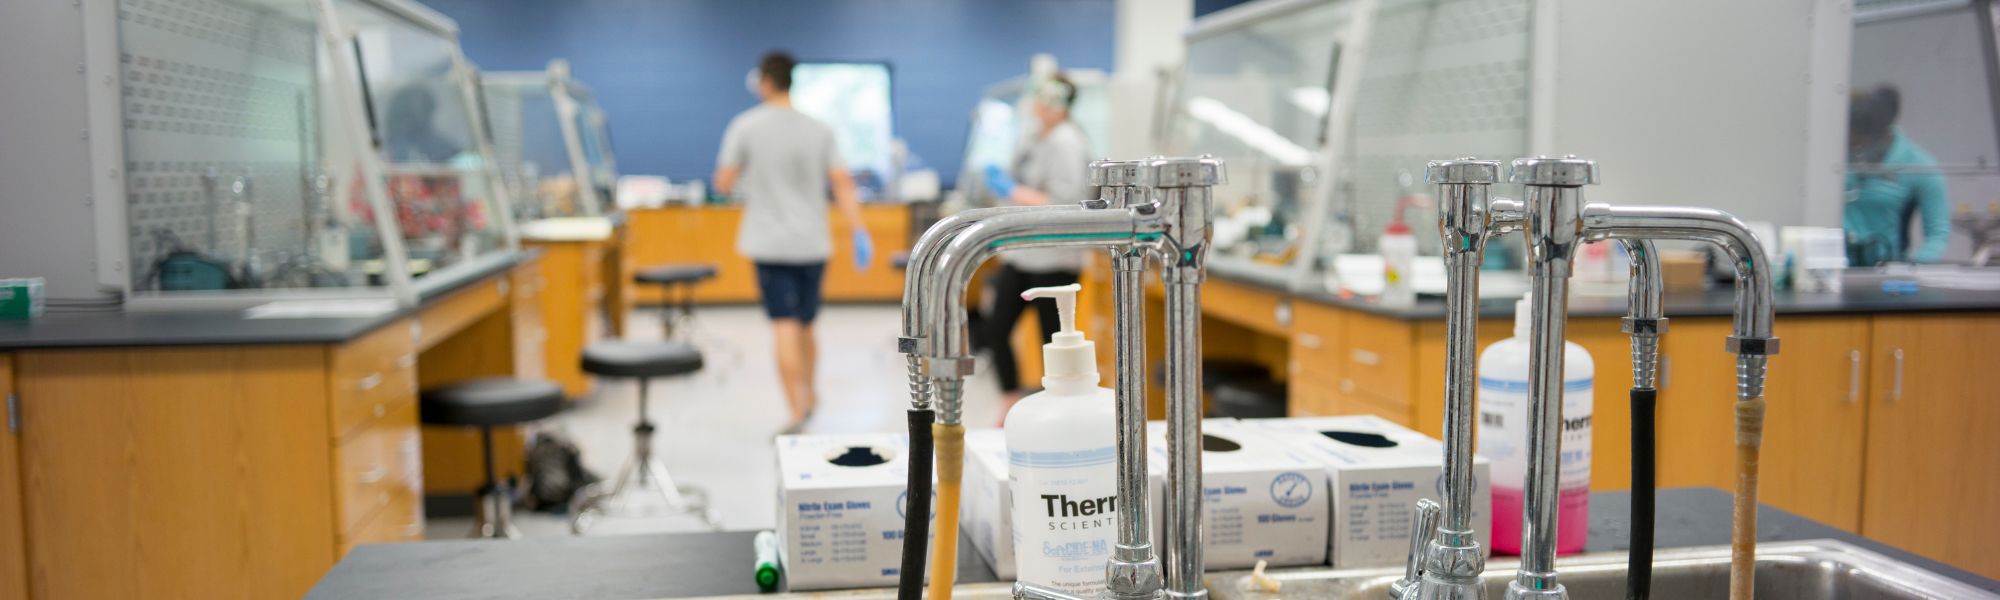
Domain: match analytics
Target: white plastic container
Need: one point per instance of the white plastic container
(1399, 263)
(1061, 448)
(1503, 436)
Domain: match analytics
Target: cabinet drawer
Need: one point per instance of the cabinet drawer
(1319, 341)
(401, 521)
(1253, 308)
(1359, 405)
(1378, 359)
(380, 466)
(361, 399)
(1310, 397)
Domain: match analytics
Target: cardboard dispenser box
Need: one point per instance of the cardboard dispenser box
(1377, 471)
(841, 501)
(986, 510)
(1262, 500)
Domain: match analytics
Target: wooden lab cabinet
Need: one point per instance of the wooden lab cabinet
(235, 471)
(1932, 482)
(13, 532)
(1813, 423)
(707, 234)
(572, 287)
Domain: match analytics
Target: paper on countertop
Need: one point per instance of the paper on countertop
(567, 229)
(319, 309)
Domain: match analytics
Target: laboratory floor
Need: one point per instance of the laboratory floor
(716, 427)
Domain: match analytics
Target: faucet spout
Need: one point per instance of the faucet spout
(947, 349)
(918, 276)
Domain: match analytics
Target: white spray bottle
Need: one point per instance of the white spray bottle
(1060, 451)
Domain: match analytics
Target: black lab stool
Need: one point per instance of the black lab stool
(643, 361)
(487, 403)
(677, 279)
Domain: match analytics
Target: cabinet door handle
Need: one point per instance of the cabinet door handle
(1853, 376)
(369, 382)
(406, 361)
(1366, 357)
(1309, 341)
(373, 475)
(1896, 383)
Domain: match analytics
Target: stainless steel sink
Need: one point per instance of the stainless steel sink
(1807, 570)
(1804, 570)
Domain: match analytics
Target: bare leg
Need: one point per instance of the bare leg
(809, 349)
(789, 340)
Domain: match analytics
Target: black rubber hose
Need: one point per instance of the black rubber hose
(1639, 571)
(916, 512)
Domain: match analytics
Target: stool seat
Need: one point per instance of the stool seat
(620, 358)
(675, 274)
(491, 401)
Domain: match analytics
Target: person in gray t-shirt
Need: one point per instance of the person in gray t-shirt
(779, 164)
(1051, 168)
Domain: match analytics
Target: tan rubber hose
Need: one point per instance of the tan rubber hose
(950, 440)
(1743, 530)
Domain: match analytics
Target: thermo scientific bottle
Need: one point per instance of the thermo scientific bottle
(1503, 437)
(1061, 448)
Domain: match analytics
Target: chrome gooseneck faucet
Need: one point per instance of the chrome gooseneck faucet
(1158, 208)
(1445, 563)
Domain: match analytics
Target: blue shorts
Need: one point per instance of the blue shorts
(790, 291)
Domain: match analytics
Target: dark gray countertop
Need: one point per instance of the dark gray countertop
(707, 564)
(1712, 303)
(212, 328)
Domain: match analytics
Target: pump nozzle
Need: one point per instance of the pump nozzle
(1067, 355)
(1065, 296)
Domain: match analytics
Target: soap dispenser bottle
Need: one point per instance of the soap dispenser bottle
(1061, 447)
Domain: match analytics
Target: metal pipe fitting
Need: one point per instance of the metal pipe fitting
(1645, 318)
(1133, 572)
(1451, 561)
(1555, 226)
(947, 349)
(916, 281)
(1182, 187)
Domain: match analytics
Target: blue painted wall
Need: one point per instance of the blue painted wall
(670, 72)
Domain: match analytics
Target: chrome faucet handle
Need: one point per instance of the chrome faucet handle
(1567, 171)
(1163, 172)
(1462, 170)
(1422, 529)
(1115, 173)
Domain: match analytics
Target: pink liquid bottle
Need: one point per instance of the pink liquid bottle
(1503, 437)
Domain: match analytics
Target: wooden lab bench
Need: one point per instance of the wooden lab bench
(1880, 410)
(202, 454)
(707, 234)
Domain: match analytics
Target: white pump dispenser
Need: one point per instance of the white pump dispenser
(1068, 360)
(1061, 447)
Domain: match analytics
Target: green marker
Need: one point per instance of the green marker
(767, 561)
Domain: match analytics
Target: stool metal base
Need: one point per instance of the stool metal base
(495, 516)
(646, 474)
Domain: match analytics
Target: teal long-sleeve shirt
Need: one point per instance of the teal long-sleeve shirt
(1876, 201)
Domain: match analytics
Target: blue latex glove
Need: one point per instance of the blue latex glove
(997, 181)
(864, 250)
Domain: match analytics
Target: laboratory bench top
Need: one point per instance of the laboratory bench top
(1714, 302)
(220, 327)
(707, 564)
